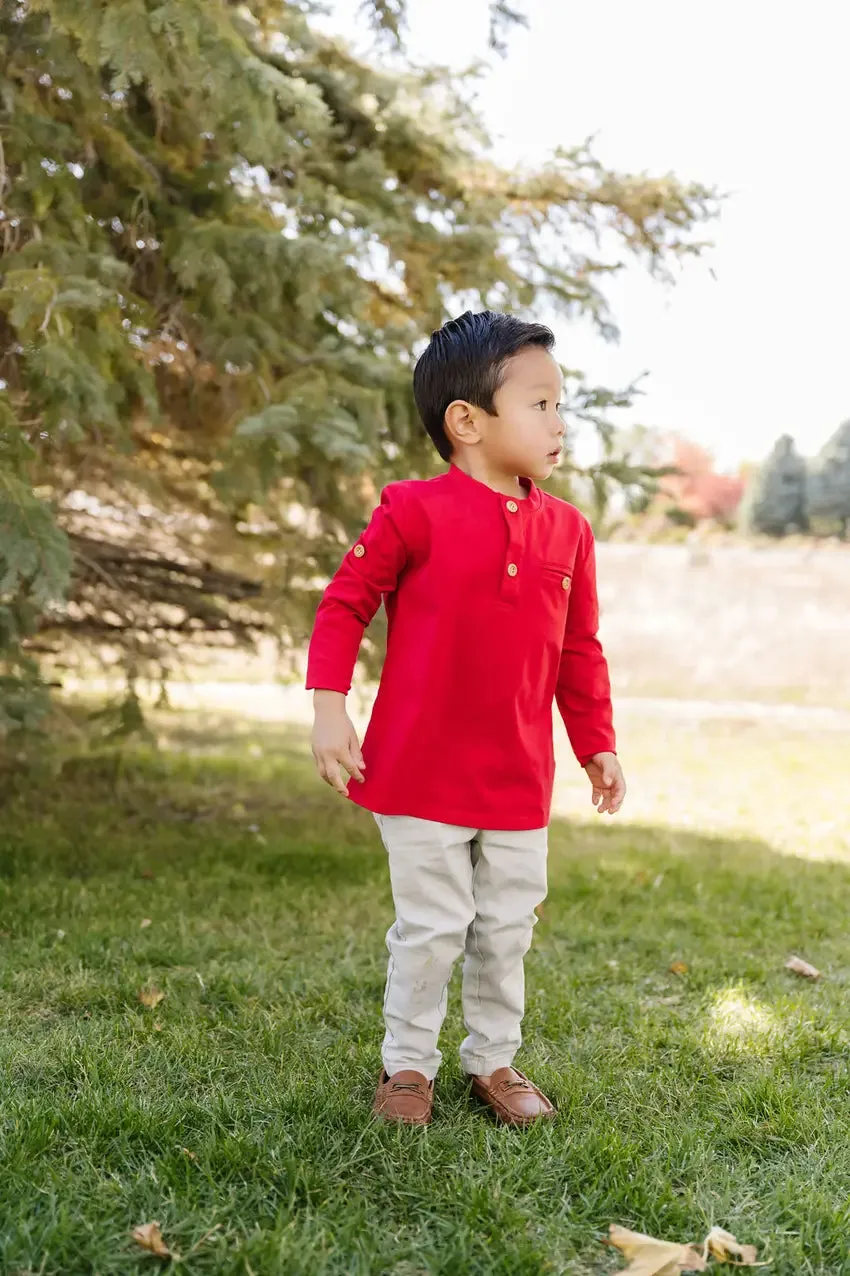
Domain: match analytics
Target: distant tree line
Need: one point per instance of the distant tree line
(790, 494)
(681, 488)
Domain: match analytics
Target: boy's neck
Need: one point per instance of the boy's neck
(477, 468)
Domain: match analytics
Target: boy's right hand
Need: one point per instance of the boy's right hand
(335, 744)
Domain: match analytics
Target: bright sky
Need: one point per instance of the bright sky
(747, 95)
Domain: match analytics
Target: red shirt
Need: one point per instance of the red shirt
(493, 615)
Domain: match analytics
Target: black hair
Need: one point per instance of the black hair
(465, 359)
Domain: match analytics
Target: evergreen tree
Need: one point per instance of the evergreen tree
(776, 501)
(222, 239)
(829, 483)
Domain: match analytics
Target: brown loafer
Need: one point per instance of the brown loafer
(405, 1096)
(512, 1098)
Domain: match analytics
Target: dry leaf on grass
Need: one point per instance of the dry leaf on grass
(678, 968)
(651, 1257)
(723, 1246)
(147, 874)
(150, 997)
(803, 968)
(149, 1237)
(144, 923)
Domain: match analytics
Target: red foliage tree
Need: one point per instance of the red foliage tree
(697, 488)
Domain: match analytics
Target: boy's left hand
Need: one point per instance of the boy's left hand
(609, 783)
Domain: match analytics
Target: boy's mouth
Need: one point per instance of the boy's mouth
(555, 454)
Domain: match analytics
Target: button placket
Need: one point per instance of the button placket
(512, 570)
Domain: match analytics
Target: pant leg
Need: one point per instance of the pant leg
(509, 881)
(431, 876)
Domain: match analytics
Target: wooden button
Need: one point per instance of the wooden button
(512, 507)
(565, 583)
(359, 551)
(512, 569)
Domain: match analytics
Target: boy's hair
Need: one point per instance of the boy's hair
(465, 359)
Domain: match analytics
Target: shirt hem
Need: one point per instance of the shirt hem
(464, 819)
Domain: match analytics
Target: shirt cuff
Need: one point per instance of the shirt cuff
(588, 757)
(328, 684)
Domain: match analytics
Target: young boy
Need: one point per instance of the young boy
(490, 591)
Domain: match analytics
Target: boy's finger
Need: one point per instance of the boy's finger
(617, 797)
(334, 778)
(349, 761)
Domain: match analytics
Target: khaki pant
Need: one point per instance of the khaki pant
(458, 891)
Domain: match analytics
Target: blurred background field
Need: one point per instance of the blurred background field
(731, 679)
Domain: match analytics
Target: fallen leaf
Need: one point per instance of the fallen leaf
(157, 1026)
(147, 874)
(539, 910)
(723, 1246)
(803, 968)
(678, 968)
(651, 1257)
(150, 997)
(193, 1156)
(145, 922)
(149, 1237)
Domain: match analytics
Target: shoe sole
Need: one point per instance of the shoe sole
(398, 1120)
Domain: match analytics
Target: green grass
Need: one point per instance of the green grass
(237, 1111)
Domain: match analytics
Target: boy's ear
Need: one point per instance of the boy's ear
(462, 423)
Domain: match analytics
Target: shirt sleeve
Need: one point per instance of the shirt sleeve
(370, 569)
(583, 691)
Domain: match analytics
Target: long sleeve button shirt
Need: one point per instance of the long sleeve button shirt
(492, 617)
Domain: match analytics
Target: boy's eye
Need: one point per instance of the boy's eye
(542, 404)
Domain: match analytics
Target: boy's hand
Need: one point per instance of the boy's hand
(609, 783)
(335, 744)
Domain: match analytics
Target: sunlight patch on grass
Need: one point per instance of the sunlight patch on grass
(738, 1018)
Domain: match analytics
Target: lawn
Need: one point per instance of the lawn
(236, 1111)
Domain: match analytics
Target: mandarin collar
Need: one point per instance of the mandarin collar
(473, 487)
